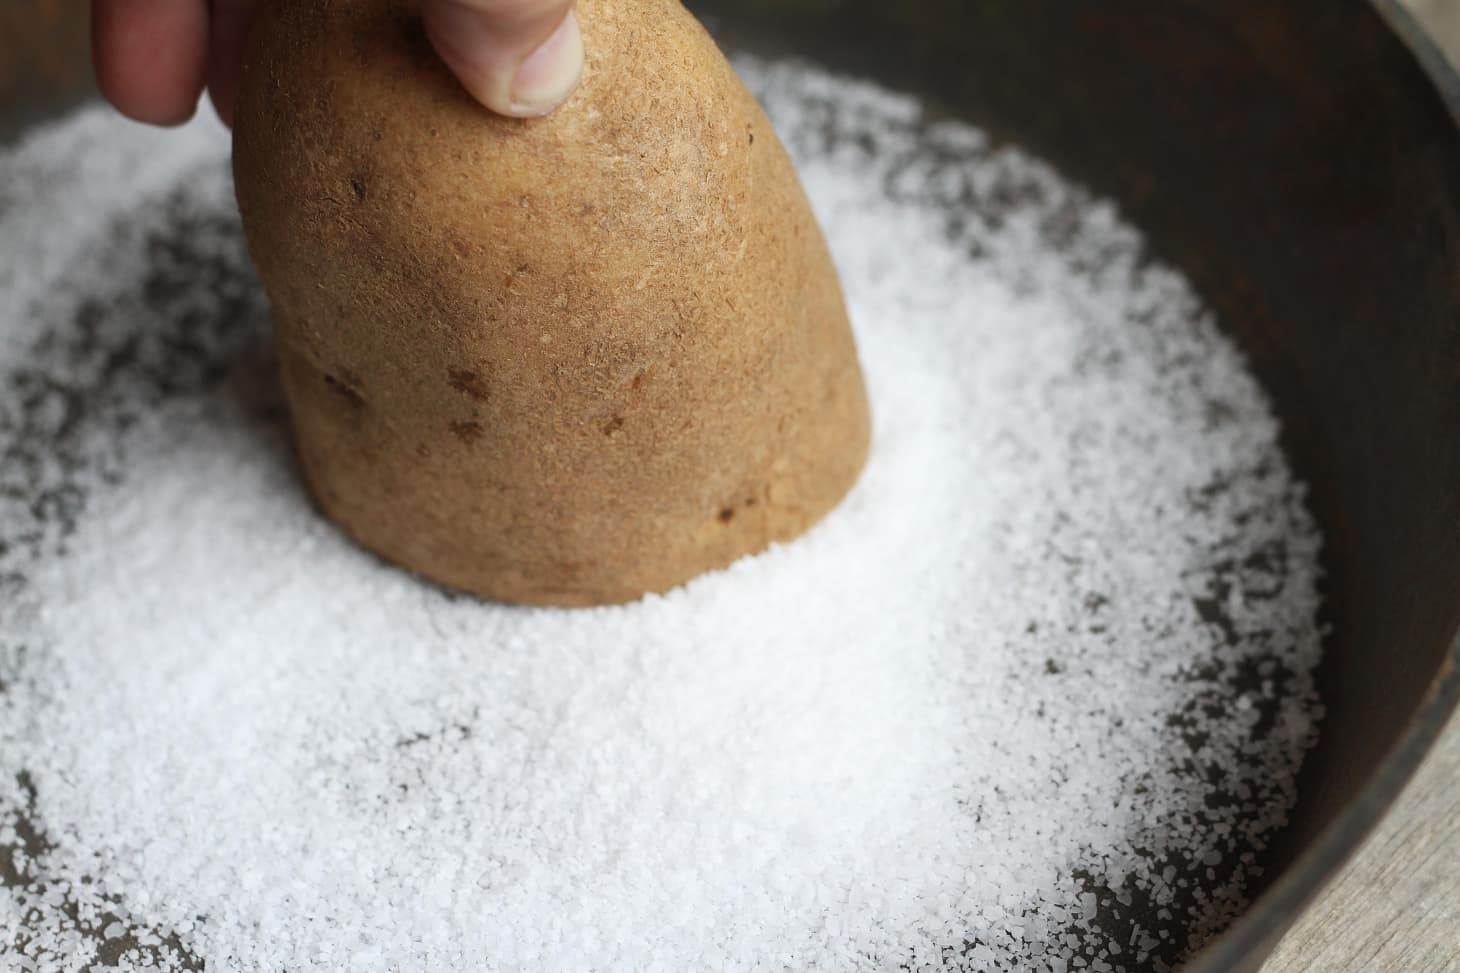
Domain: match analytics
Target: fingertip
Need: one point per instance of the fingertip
(150, 56)
(518, 58)
(228, 28)
(220, 95)
(548, 75)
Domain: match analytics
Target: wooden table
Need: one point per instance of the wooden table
(1396, 907)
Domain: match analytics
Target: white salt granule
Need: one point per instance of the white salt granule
(1033, 698)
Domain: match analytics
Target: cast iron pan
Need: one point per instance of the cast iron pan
(1301, 163)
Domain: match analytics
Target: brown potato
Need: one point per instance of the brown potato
(562, 361)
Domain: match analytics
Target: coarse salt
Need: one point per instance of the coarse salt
(1033, 698)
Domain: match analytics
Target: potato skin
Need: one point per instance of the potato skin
(562, 361)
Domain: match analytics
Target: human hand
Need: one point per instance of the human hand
(154, 57)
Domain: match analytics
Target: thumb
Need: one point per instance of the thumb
(520, 58)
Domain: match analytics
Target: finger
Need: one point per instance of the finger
(520, 58)
(150, 56)
(228, 26)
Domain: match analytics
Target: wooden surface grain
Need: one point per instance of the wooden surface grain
(1396, 907)
(1442, 19)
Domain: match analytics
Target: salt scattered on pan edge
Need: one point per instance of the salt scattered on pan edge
(1033, 696)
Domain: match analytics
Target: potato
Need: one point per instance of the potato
(559, 361)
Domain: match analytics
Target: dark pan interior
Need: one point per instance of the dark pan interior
(1300, 166)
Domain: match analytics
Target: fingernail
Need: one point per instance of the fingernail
(548, 75)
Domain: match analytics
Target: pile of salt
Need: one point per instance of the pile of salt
(1033, 699)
